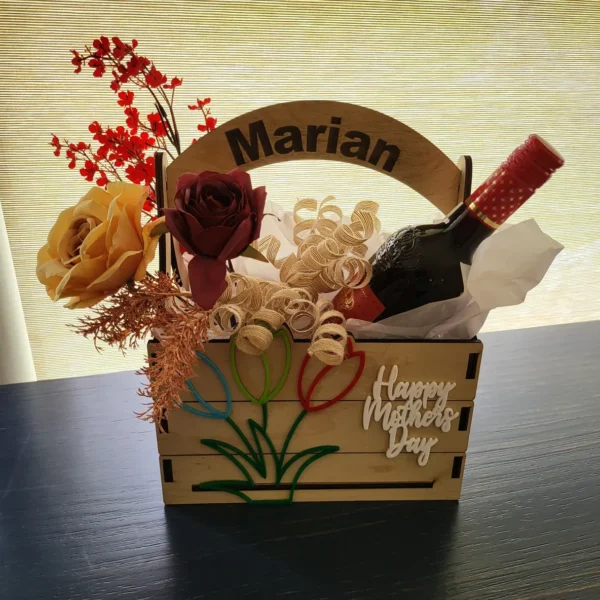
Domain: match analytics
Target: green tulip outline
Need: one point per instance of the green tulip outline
(266, 394)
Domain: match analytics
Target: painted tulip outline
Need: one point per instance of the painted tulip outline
(266, 395)
(305, 400)
(257, 456)
(212, 413)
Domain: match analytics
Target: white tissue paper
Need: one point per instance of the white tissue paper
(505, 267)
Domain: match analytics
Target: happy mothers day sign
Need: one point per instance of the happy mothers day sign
(425, 405)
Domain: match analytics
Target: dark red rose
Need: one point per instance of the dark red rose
(215, 217)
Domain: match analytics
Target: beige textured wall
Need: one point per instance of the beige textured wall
(474, 77)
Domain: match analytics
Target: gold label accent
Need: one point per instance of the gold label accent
(346, 300)
(482, 217)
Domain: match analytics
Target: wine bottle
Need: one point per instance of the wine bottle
(419, 265)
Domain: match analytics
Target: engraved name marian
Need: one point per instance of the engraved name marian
(248, 146)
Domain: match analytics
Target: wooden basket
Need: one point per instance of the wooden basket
(391, 422)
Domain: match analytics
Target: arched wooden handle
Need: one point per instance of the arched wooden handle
(318, 129)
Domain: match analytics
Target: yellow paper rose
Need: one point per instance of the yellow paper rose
(98, 245)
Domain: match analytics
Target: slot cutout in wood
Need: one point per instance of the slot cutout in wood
(472, 365)
(463, 420)
(167, 470)
(331, 486)
(457, 467)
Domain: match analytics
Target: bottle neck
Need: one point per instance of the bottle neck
(467, 230)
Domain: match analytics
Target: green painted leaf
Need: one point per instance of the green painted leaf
(251, 252)
(230, 452)
(325, 450)
(257, 429)
(313, 454)
(251, 451)
(159, 229)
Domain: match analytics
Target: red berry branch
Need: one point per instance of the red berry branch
(209, 122)
(127, 151)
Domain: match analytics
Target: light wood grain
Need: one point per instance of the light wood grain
(347, 469)
(420, 165)
(417, 361)
(341, 424)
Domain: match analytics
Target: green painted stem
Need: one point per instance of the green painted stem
(290, 435)
(261, 463)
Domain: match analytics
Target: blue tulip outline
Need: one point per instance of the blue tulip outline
(212, 413)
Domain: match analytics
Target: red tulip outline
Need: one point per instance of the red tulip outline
(305, 401)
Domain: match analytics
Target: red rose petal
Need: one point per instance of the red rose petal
(185, 180)
(176, 224)
(239, 240)
(207, 280)
(214, 240)
(243, 179)
(217, 215)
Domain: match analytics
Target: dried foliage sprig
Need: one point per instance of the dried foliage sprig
(132, 314)
(169, 367)
(129, 316)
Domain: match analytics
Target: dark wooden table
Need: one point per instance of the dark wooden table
(81, 514)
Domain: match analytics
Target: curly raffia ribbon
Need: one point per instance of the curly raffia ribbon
(329, 341)
(330, 254)
(329, 257)
(255, 337)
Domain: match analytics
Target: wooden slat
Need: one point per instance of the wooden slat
(339, 469)
(450, 491)
(335, 468)
(417, 361)
(340, 424)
